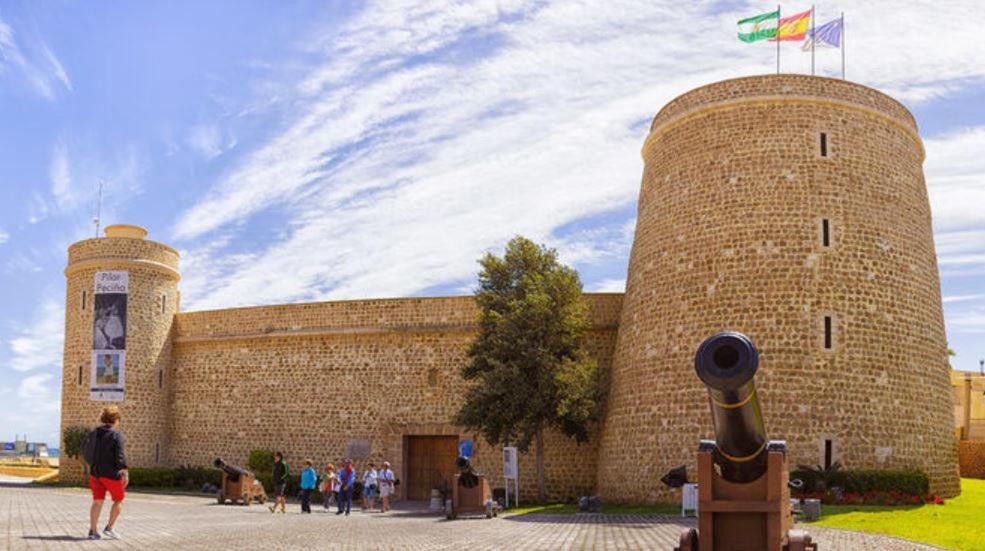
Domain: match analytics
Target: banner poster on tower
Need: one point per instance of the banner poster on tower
(109, 337)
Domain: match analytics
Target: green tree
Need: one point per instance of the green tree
(528, 364)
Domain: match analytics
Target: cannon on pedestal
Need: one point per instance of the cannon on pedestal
(745, 503)
(238, 485)
(470, 492)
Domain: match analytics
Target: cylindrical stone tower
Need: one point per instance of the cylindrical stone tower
(151, 302)
(792, 209)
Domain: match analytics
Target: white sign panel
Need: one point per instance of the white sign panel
(509, 463)
(109, 337)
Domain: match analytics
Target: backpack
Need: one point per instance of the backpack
(91, 447)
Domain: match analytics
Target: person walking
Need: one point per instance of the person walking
(387, 481)
(108, 472)
(309, 479)
(280, 483)
(347, 478)
(370, 486)
(329, 480)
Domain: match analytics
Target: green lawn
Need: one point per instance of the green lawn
(958, 524)
(614, 509)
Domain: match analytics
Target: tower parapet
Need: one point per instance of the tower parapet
(792, 209)
(136, 339)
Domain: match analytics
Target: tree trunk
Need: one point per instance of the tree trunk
(541, 490)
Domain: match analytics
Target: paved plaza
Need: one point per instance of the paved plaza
(56, 518)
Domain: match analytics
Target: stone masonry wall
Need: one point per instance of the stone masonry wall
(728, 236)
(307, 378)
(152, 269)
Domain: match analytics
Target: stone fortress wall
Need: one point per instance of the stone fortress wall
(730, 235)
(745, 224)
(308, 378)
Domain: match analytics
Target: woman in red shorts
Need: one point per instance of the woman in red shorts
(108, 473)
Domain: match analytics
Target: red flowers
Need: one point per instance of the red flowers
(893, 498)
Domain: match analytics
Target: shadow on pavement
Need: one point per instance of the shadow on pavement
(57, 538)
(594, 518)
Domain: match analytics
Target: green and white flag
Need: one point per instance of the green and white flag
(759, 27)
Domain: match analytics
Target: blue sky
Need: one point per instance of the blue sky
(297, 151)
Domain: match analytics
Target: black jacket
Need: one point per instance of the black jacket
(110, 457)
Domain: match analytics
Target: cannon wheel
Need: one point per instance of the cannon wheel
(221, 498)
(799, 540)
(246, 498)
(689, 540)
(262, 499)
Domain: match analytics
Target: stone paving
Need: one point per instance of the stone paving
(56, 518)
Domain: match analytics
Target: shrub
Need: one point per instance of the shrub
(820, 479)
(904, 481)
(290, 489)
(191, 478)
(73, 439)
(261, 462)
(873, 487)
(154, 477)
(194, 478)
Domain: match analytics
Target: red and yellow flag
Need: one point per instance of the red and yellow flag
(794, 27)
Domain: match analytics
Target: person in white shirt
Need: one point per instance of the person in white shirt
(370, 487)
(386, 480)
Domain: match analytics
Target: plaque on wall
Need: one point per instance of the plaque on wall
(357, 448)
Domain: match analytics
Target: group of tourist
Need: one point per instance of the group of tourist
(108, 473)
(336, 486)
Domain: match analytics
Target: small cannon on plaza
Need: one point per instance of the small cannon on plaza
(470, 493)
(238, 485)
(745, 505)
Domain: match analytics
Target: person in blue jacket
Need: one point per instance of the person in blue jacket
(309, 479)
(347, 479)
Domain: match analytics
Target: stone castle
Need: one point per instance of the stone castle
(790, 208)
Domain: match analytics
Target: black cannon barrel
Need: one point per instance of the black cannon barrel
(726, 363)
(468, 477)
(232, 471)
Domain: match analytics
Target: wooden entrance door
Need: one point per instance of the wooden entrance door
(430, 463)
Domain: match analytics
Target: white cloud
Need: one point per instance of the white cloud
(37, 210)
(33, 409)
(39, 67)
(75, 170)
(38, 344)
(955, 170)
(411, 154)
(35, 388)
(61, 177)
(57, 70)
(609, 286)
(961, 298)
(4, 236)
(208, 141)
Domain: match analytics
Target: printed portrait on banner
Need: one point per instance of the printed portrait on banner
(109, 336)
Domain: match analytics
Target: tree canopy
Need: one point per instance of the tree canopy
(528, 363)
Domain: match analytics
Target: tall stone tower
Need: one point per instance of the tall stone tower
(793, 209)
(145, 317)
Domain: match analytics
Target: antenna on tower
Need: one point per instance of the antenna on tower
(99, 208)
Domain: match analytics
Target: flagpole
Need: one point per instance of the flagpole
(842, 45)
(813, 37)
(778, 39)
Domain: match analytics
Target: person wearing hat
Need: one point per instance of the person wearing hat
(347, 479)
(386, 481)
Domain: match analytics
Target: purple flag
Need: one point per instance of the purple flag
(828, 35)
